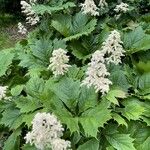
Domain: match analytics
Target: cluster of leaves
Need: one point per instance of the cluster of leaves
(119, 120)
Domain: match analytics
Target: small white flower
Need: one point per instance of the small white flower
(32, 18)
(21, 28)
(112, 47)
(46, 133)
(59, 62)
(122, 7)
(97, 74)
(3, 90)
(102, 4)
(89, 7)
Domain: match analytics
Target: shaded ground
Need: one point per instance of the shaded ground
(8, 31)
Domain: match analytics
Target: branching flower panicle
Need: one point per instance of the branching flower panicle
(89, 7)
(59, 62)
(3, 90)
(22, 28)
(32, 18)
(46, 133)
(112, 47)
(97, 73)
(122, 7)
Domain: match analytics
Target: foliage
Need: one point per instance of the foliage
(118, 120)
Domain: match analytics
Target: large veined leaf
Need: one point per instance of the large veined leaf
(11, 118)
(6, 58)
(144, 83)
(121, 141)
(68, 91)
(133, 109)
(136, 40)
(73, 27)
(27, 104)
(41, 9)
(114, 94)
(94, 118)
(13, 142)
(92, 144)
(68, 119)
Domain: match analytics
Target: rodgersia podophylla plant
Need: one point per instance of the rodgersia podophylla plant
(46, 133)
(80, 79)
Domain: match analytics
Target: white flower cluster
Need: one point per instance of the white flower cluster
(32, 18)
(122, 7)
(112, 47)
(97, 74)
(89, 7)
(59, 62)
(3, 90)
(46, 133)
(21, 28)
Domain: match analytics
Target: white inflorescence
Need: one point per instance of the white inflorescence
(122, 7)
(21, 28)
(3, 90)
(102, 4)
(89, 7)
(32, 18)
(59, 62)
(46, 133)
(97, 73)
(112, 47)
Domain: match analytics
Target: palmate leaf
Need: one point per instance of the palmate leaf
(94, 118)
(133, 109)
(121, 141)
(73, 27)
(136, 40)
(114, 94)
(41, 9)
(12, 118)
(27, 104)
(68, 91)
(6, 58)
(92, 144)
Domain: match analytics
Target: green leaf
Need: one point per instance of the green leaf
(12, 143)
(6, 58)
(27, 104)
(121, 141)
(94, 118)
(136, 40)
(114, 94)
(144, 82)
(68, 91)
(145, 145)
(68, 119)
(133, 109)
(41, 9)
(92, 144)
(28, 147)
(11, 118)
(15, 91)
(73, 28)
(35, 86)
(119, 119)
